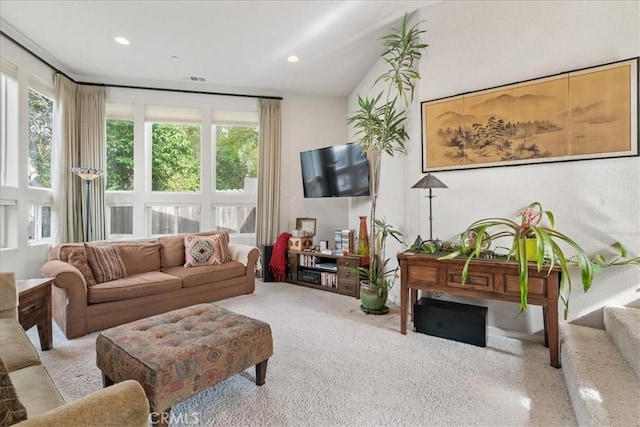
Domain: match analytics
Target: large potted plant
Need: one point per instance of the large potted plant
(379, 123)
(535, 239)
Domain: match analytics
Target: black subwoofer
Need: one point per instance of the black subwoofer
(455, 321)
(267, 276)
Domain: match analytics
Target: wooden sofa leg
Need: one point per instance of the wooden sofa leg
(261, 372)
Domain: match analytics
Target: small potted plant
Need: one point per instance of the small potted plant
(376, 279)
(537, 241)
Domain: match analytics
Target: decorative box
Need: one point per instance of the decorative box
(300, 243)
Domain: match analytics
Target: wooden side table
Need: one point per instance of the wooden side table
(34, 308)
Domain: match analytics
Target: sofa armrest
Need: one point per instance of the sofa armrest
(69, 297)
(247, 255)
(121, 404)
(66, 275)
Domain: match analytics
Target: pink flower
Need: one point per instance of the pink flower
(530, 216)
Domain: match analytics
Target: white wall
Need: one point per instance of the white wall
(310, 122)
(482, 44)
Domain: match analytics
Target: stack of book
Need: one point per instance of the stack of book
(344, 241)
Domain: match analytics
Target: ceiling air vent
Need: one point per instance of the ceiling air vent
(196, 79)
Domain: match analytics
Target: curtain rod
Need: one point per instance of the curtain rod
(240, 95)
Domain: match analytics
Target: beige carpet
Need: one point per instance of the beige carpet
(335, 366)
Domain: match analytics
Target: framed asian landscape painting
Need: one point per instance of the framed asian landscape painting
(584, 114)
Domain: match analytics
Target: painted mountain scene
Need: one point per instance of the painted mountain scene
(567, 116)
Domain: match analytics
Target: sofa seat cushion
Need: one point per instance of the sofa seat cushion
(135, 286)
(16, 351)
(197, 276)
(35, 389)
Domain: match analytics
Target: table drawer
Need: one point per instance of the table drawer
(537, 285)
(423, 274)
(347, 263)
(347, 287)
(475, 280)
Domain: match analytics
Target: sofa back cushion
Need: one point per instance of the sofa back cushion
(78, 259)
(139, 257)
(172, 253)
(105, 262)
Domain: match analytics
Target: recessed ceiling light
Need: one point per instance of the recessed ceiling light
(292, 58)
(122, 41)
(175, 58)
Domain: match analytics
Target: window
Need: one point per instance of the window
(39, 222)
(174, 219)
(121, 220)
(119, 155)
(40, 136)
(175, 157)
(236, 158)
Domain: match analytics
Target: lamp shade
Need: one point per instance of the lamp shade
(87, 174)
(429, 181)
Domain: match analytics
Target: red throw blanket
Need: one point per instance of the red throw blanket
(278, 263)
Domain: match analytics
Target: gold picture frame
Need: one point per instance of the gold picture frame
(583, 114)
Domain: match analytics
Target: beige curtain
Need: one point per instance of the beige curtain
(269, 162)
(79, 141)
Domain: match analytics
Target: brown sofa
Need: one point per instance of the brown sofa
(156, 282)
(28, 394)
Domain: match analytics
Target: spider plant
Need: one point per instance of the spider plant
(547, 254)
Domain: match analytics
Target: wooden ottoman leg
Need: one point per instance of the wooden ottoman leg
(106, 381)
(261, 372)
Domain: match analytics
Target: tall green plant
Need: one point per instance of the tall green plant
(379, 121)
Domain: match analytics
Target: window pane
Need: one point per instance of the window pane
(40, 116)
(236, 158)
(119, 155)
(175, 219)
(188, 219)
(235, 219)
(175, 157)
(121, 220)
(39, 222)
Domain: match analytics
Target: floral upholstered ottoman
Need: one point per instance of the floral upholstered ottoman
(178, 354)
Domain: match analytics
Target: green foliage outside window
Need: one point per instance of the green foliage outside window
(40, 136)
(175, 157)
(119, 155)
(237, 156)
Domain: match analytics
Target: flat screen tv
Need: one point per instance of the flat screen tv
(337, 171)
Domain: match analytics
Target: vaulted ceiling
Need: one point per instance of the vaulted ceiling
(236, 46)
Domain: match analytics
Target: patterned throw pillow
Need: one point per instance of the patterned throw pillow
(206, 250)
(105, 262)
(11, 410)
(79, 261)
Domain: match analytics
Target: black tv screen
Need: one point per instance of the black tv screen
(337, 171)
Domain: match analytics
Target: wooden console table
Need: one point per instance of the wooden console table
(487, 279)
(34, 308)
